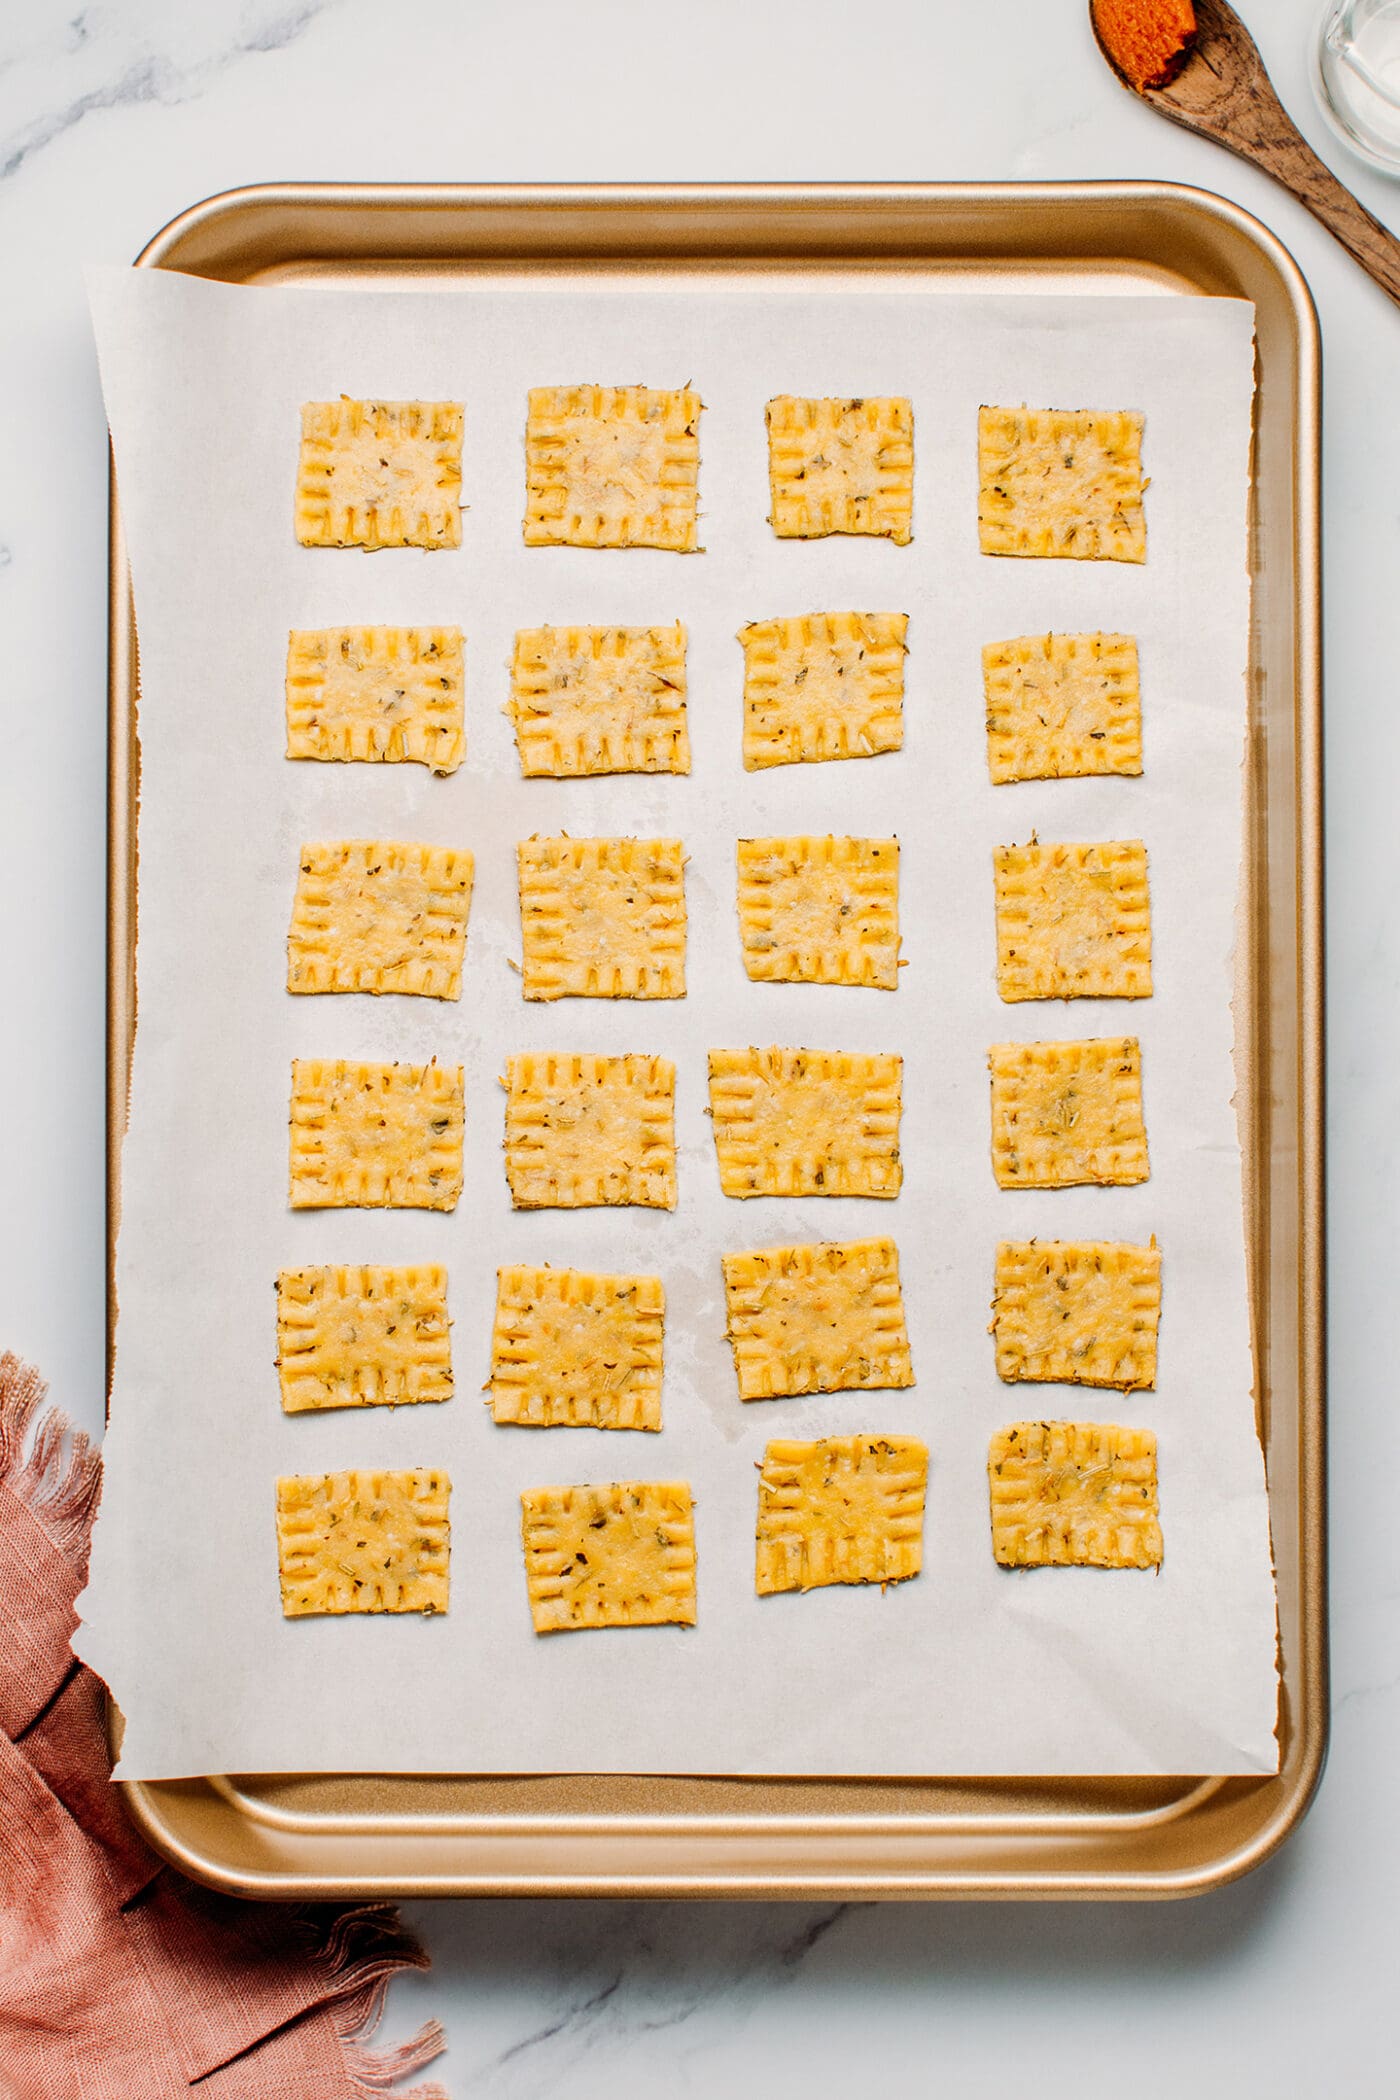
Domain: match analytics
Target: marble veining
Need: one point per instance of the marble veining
(169, 56)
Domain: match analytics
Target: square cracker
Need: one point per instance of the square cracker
(1078, 1312)
(584, 1130)
(1074, 1494)
(375, 1137)
(806, 1122)
(573, 1350)
(599, 700)
(820, 1319)
(616, 1555)
(1073, 921)
(841, 466)
(824, 686)
(364, 1541)
(602, 918)
(1065, 1113)
(380, 474)
(362, 1337)
(372, 915)
(843, 1509)
(1060, 705)
(820, 910)
(612, 466)
(1066, 482)
(391, 694)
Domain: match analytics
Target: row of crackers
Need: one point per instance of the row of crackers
(583, 1129)
(846, 1509)
(619, 467)
(819, 686)
(606, 918)
(573, 1349)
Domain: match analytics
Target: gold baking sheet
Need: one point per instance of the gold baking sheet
(646, 1835)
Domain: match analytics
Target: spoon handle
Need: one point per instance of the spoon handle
(1280, 148)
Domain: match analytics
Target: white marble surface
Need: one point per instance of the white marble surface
(114, 117)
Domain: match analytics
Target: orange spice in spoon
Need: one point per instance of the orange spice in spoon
(1147, 40)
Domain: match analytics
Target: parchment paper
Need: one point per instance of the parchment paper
(968, 1669)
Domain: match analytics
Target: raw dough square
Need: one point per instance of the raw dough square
(599, 700)
(820, 910)
(372, 915)
(616, 1555)
(841, 466)
(843, 1509)
(602, 918)
(391, 694)
(363, 1541)
(1078, 1312)
(806, 1122)
(380, 474)
(824, 686)
(375, 1136)
(612, 466)
(362, 1337)
(1056, 481)
(1073, 921)
(1065, 1113)
(1074, 1494)
(819, 1319)
(1060, 705)
(583, 1130)
(577, 1351)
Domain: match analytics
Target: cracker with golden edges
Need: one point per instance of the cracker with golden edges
(363, 1541)
(375, 1137)
(612, 466)
(843, 1509)
(362, 1337)
(1061, 706)
(616, 1555)
(380, 474)
(599, 700)
(391, 695)
(1077, 1312)
(602, 918)
(1073, 921)
(1063, 482)
(585, 1130)
(823, 686)
(820, 910)
(577, 1351)
(374, 915)
(1066, 1113)
(818, 1319)
(841, 466)
(1074, 1494)
(806, 1122)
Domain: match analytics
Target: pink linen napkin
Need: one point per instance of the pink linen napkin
(119, 1979)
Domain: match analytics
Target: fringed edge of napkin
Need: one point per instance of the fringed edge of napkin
(361, 1951)
(59, 1477)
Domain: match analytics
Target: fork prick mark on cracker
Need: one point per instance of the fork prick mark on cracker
(1074, 1494)
(1061, 482)
(841, 466)
(821, 687)
(575, 1350)
(843, 1509)
(380, 474)
(612, 466)
(616, 1555)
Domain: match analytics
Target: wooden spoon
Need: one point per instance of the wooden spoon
(1223, 92)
